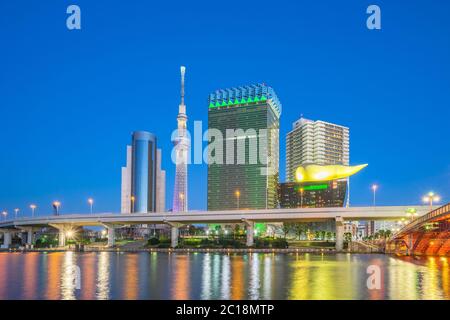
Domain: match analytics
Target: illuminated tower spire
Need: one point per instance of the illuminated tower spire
(181, 142)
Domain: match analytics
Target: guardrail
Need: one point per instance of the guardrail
(445, 209)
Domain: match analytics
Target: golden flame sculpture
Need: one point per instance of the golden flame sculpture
(313, 172)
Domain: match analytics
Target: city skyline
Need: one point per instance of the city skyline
(42, 112)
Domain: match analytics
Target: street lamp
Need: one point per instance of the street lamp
(238, 196)
(91, 204)
(132, 203)
(4, 213)
(430, 197)
(301, 197)
(374, 189)
(56, 205)
(16, 211)
(32, 207)
(411, 213)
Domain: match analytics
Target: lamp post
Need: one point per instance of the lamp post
(33, 208)
(91, 204)
(4, 213)
(301, 197)
(16, 211)
(132, 203)
(374, 189)
(56, 205)
(430, 197)
(411, 213)
(238, 196)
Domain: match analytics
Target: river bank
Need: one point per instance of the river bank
(182, 250)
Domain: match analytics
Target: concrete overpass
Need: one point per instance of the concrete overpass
(175, 220)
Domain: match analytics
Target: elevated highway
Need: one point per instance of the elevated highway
(175, 220)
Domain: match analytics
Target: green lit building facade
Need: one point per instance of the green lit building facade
(249, 180)
(312, 194)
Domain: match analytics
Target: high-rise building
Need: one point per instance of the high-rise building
(160, 183)
(143, 181)
(143, 172)
(181, 142)
(243, 164)
(315, 142)
(126, 184)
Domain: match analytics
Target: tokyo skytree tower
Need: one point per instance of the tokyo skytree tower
(181, 142)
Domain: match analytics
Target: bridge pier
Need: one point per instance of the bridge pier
(339, 234)
(111, 229)
(250, 227)
(174, 233)
(111, 237)
(30, 236)
(61, 238)
(62, 233)
(7, 237)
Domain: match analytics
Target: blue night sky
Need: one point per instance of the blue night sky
(69, 100)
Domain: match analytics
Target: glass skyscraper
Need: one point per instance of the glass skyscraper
(244, 119)
(143, 172)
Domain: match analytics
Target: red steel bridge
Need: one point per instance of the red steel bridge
(426, 235)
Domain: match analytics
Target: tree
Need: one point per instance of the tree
(299, 229)
(287, 227)
(317, 235)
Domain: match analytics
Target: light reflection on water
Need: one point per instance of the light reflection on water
(109, 275)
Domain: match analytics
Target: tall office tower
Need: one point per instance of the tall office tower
(243, 153)
(126, 184)
(181, 142)
(143, 181)
(161, 184)
(143, 172)
(315, 142)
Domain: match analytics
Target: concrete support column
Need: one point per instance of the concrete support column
(339, 234)
(23, 238)
(111, 237)
(30, 237)
(61, 238)
(174, 236)
(62, 228)
(7, 236)
(174, 232)
(250, 227)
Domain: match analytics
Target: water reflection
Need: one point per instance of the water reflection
(226, 275)
(69, 277)
(103, 285)
(109, 275)
(29, 278)
(53, 268)
(237, 280)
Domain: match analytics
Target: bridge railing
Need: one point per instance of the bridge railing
(445, 209)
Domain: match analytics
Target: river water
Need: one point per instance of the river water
(110, 275)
